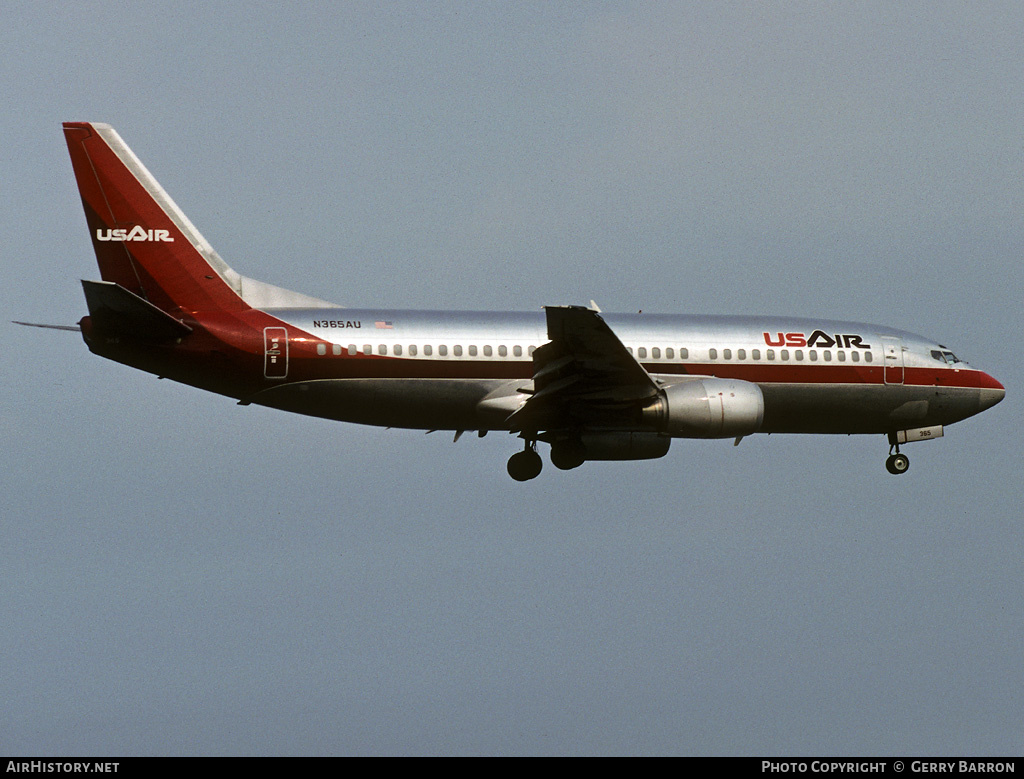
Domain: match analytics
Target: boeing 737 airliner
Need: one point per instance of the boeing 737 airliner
(593, 386)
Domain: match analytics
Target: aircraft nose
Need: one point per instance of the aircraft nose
(991, 392)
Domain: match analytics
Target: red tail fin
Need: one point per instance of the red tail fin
(142, 239)
(146, 244)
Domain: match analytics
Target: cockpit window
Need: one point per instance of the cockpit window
(945, 356)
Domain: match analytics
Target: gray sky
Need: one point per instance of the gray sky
(181, 575)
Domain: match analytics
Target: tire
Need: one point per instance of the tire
(524, 466)
(897, 464)
(566, 455)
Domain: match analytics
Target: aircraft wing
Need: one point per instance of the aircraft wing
(584, 376)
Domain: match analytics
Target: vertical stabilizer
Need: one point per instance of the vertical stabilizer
(145, 243)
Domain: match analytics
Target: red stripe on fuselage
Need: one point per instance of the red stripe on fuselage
(307, 364)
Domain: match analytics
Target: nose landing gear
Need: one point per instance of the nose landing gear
(896, 463)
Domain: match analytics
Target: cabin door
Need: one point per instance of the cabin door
(892, 349)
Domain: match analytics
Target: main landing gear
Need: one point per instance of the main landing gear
(525, 465)
(566, 454)
(896, 463)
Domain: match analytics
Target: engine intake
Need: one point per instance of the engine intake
(707, 408)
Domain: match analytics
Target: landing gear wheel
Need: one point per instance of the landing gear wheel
(566, 455)
(525, 465)
(897, 463)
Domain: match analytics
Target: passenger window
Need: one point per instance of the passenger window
(799, 354)
(770, 353)
(442, 350)
(336, 349)
(488, 351)
(841, 356)
(503, 351)
(382, 349)
(428, 350)
(412, 350)
(398, 350)
(741, 354)
(531, 350)
(642, 352)
(855, 356)
(827, 355)
(727, 354)
(755, 353)
(352, 350)
(684, 353)
(813, 354)
(713, 354)
(784, 353)
(321, 349)
(457, 350)
(367, 349)
(517, 351)
(472, 351)
(656, 353)
(868, 357)
(670, 353)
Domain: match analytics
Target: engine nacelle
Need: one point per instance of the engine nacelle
(708, 408)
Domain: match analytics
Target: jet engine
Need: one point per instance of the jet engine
(707, 408)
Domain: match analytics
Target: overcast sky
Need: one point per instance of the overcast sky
(182, 575)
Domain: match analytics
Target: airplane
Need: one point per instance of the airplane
(592, 386)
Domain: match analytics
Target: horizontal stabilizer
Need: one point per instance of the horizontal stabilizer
(72, 328)
(116, 311)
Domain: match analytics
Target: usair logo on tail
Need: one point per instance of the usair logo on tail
(137, 233)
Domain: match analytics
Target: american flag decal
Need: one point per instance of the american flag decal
(384, 325)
